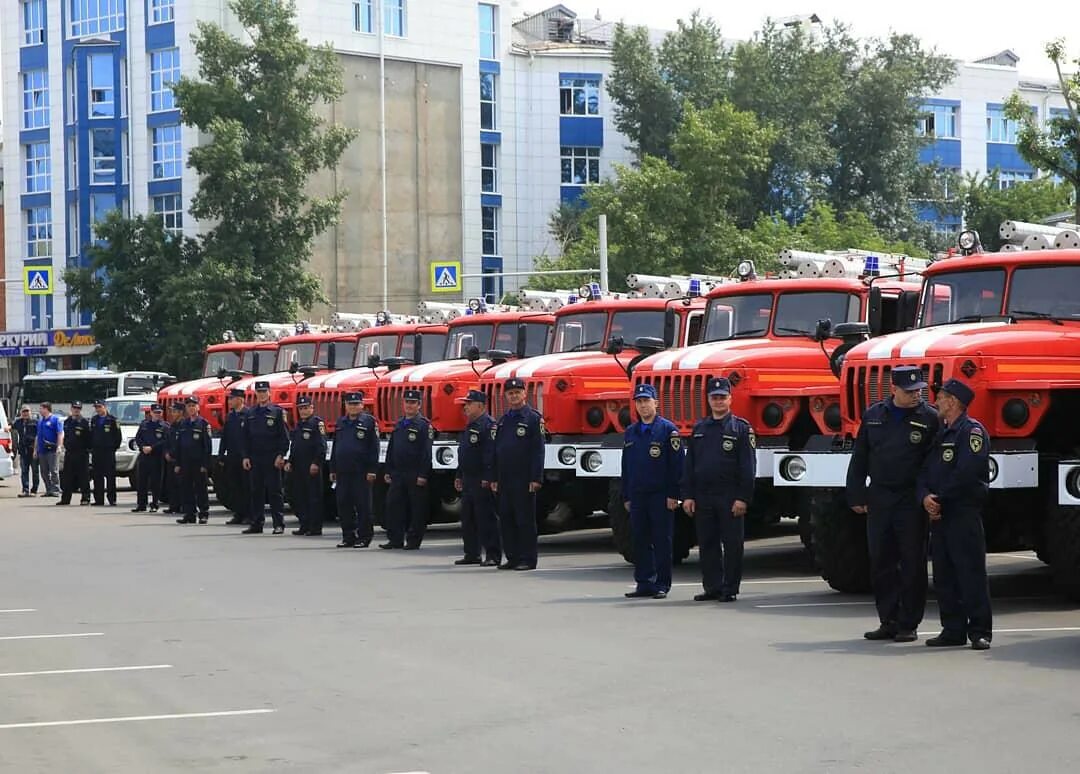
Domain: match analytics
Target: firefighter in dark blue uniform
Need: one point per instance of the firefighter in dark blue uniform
(953, 486)
(234, 451)
(150, 441)
(354, 463)
(192, 451)
(476, 471)
(893, 441)
(105, 439)
(267, 443)
(76, 474)
(652, 463)
(718, 486)
(171, 484)
(519, 472)
(408, 468)
(307, 455)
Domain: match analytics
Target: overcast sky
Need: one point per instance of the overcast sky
(960, 29)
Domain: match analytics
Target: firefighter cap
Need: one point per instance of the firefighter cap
(908, 378)
(719, 385)
(959, 390)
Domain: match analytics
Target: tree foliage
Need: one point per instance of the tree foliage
(1055, 148)
(986, 205)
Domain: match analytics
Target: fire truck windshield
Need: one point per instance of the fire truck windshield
(1044, 291)
(434, 346)
(343, 354)
(578, 332)
(730, 317)
(536, 335)
(465, 336)
(383, 346)
(256, 362)
(797, 314)
(962, 296)
(215, 361)
(301, 354)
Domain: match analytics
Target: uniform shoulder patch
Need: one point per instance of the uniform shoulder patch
(494, 431)
(322, 427)
(431, 433)
(676, 441)
(753, 439)
(975, 441)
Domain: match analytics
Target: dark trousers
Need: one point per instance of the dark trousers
(193, 483)
(266, 485)
(240, 480)
(406, 510)
(479, 525)
(958, 548)
(720, 543)
(148, 478)
(652, 526)
(517, 522)
(104, 465)
(309, 496)
(170, 487)
(76, 476)
(353, 494)
(896, 536)
(28, 464)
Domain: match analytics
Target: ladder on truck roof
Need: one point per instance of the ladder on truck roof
(854, 263)
(1019, 235)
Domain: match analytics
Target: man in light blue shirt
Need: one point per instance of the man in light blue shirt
(50, 437)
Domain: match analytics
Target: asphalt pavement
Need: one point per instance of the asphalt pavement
(129, 643)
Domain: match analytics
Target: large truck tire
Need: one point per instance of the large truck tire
(839, 540)
(1063, 548)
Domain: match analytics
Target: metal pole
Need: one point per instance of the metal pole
(382, 158)
(603, 254)
(552, 272)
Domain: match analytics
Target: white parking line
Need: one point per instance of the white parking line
(779, 581)
(814, 604)
(1047, 629)
(579, 569)
(1017, 556)
(86, 671)
(53, 636)
(20, 610)
(135, 718)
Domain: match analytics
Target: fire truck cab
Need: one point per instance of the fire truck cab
(1008, 325)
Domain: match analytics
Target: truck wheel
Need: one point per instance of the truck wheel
(1063, 548)
(620, 524)
(684, 538)
(839, 540)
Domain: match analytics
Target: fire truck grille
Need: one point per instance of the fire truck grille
(681, 398)
(866, 385)
(390, 401)
(497, 406)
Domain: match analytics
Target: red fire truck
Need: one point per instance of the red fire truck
(774, 339)
(1008, 325)
(580, 388)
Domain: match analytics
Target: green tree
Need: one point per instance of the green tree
(1055, 148)
(986, 205)
(256, 98)
(136, 284)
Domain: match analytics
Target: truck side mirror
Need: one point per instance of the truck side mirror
(254, 363)
(418, 348)
(823, 330)
(671, 326)
(499, 356)
(331, 356)
(373, 361)
(873, 310)
(907, 308)
(522, 340)
(615, 345)
(850, 335)
(472, 354)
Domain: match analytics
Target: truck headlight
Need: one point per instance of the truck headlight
(993, 470)
(793, 468)
(446, 456)
(567, 455)
(592, 461)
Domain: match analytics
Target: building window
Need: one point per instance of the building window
(123, 88)
(33, 12)
(103, 156)
(164, 72)
(101, 204)
(580, 166)
(489, 230)
(489, 178)
(102, 86)
(394, 17)
(939, 121)
(39, 232)
(1008, 180)
(364, 16)
(487, 101)
(38, 167)
(488, 31)
(73, 163)
(161, 11)
(998, 127)
(171, 209)
(166, 152)
(579, 96)
(35, 99)
(96, 17)
(73, 246)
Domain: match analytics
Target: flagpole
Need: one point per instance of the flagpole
(382, 155)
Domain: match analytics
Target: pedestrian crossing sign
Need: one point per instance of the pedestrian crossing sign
(446, 276)
(37, 280)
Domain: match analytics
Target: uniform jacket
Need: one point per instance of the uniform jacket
(890, 449)
(720, 460)
(476, 451)
(192, 444)
(308, 442)
(76, 435)
(409, 450)
(957, 469)
(519, 446)
(105, 433)
(652, 459)
(266, 433)
(152, 433)
(356, 445)
(234, 434)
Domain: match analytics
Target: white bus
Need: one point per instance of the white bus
(61, 388)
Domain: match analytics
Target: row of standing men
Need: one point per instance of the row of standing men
(911, 469)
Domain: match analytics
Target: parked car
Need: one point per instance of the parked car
(129, 411)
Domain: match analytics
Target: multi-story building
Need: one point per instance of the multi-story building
(492, 118)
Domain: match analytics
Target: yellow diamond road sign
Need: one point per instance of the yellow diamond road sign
(37, 280)
(446, 276)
